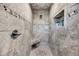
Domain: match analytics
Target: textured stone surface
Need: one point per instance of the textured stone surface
(42, 50)
(40, 6)
(23, 9)
(39, 34)
(43, 19)
(41, 28)
(71, 44)
(8, 23)
(41, 31)
(56, 34)
(65, 40)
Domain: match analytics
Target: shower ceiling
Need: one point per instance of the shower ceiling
(40, 6)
